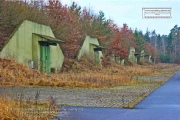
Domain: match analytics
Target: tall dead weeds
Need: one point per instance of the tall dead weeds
(82, 74)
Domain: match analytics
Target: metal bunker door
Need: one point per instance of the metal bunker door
(45, 57)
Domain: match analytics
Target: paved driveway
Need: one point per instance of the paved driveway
(162, 104)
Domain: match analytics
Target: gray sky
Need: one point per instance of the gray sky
(130, 12)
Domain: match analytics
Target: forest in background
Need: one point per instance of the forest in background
(72, 23)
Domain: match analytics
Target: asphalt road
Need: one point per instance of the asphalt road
(162, 104)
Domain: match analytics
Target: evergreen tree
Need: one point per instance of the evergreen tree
(169, 44)
(146, 36)
(159, 43)
(139, 41)
(74, 8)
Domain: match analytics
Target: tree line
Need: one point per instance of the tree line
(72, 23)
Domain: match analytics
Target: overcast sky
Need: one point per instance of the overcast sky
(130, 12)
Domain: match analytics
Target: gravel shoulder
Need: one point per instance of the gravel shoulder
(118, 97)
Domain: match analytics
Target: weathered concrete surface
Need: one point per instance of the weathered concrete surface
(108, 97)
(162, 104)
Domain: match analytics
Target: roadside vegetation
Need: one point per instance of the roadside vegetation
(20, 109)
(80, 74)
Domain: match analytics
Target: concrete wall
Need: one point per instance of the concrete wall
(142, 57)
(88, 49)
(23, 46)
(117, 60)
(132, 57)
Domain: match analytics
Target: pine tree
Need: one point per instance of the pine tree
(146, 36)
(139, 42)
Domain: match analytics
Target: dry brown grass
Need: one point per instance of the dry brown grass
(82, 74)
(14, 110)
